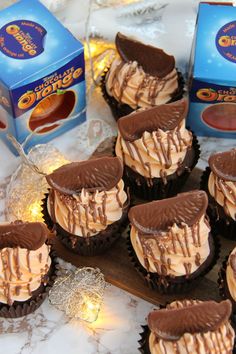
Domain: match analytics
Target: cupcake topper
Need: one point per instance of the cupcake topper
(151, 218)
(171, 324)
(96, 174)
(23, 234)
(223, 165)
(154, 61)
(166, 117)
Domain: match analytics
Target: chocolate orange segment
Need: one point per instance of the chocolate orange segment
(223, 165)
(154, 61)
(29, 235)
(99, 174)
(171, 324)
(157, 216)
(166, 117)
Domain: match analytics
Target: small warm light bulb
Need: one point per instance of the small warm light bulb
(35, 211)
(91, 308)
(93, 50)
(101, 65)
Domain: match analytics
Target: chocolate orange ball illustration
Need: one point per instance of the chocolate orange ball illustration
(12, 29)
(51, 109)
(27, 100)
(207, 94)
(224, 41)
(221, 116)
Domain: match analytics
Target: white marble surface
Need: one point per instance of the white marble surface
(47, 331)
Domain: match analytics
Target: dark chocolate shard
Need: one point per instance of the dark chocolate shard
(154, 61)
(166, 117)
(157, 216)
(29, 235)
(99, 174)
(172, 324)
(223, 165)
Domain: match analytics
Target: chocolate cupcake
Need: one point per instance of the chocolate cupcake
(189, 326)
(227, 281)
(172, 247)
(87, 204)
(141, 76)
(219, 180)
(26, 268)
(157, 150)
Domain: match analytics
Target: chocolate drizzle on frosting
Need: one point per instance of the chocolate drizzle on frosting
(166, 117)
(99, 174)
(171, 324)
(223, 165)
(154, 61)
(157, 216)
(23, 234)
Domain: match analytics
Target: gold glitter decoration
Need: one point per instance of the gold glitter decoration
(79, 294)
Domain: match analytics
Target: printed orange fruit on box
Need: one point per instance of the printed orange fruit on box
(50, 110)
(221, 116)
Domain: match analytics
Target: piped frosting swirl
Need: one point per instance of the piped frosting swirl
(87, 196)
(231, 274)
(155, 142)
(142, 75)
(191, 326)
(171, 236)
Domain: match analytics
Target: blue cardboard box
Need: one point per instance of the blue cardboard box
(212, 82)
(42, 77)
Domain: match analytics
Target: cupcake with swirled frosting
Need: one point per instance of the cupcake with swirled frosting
(227, 281)
(189, 326)
(87, 204)
(141, 76)
(219, 180)
(157, 150)
(26, 267)
(171, 242)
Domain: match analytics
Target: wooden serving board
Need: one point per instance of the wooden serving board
(119, 271)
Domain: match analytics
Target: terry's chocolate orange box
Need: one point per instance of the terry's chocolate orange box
(212, 76)
(42, 73)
